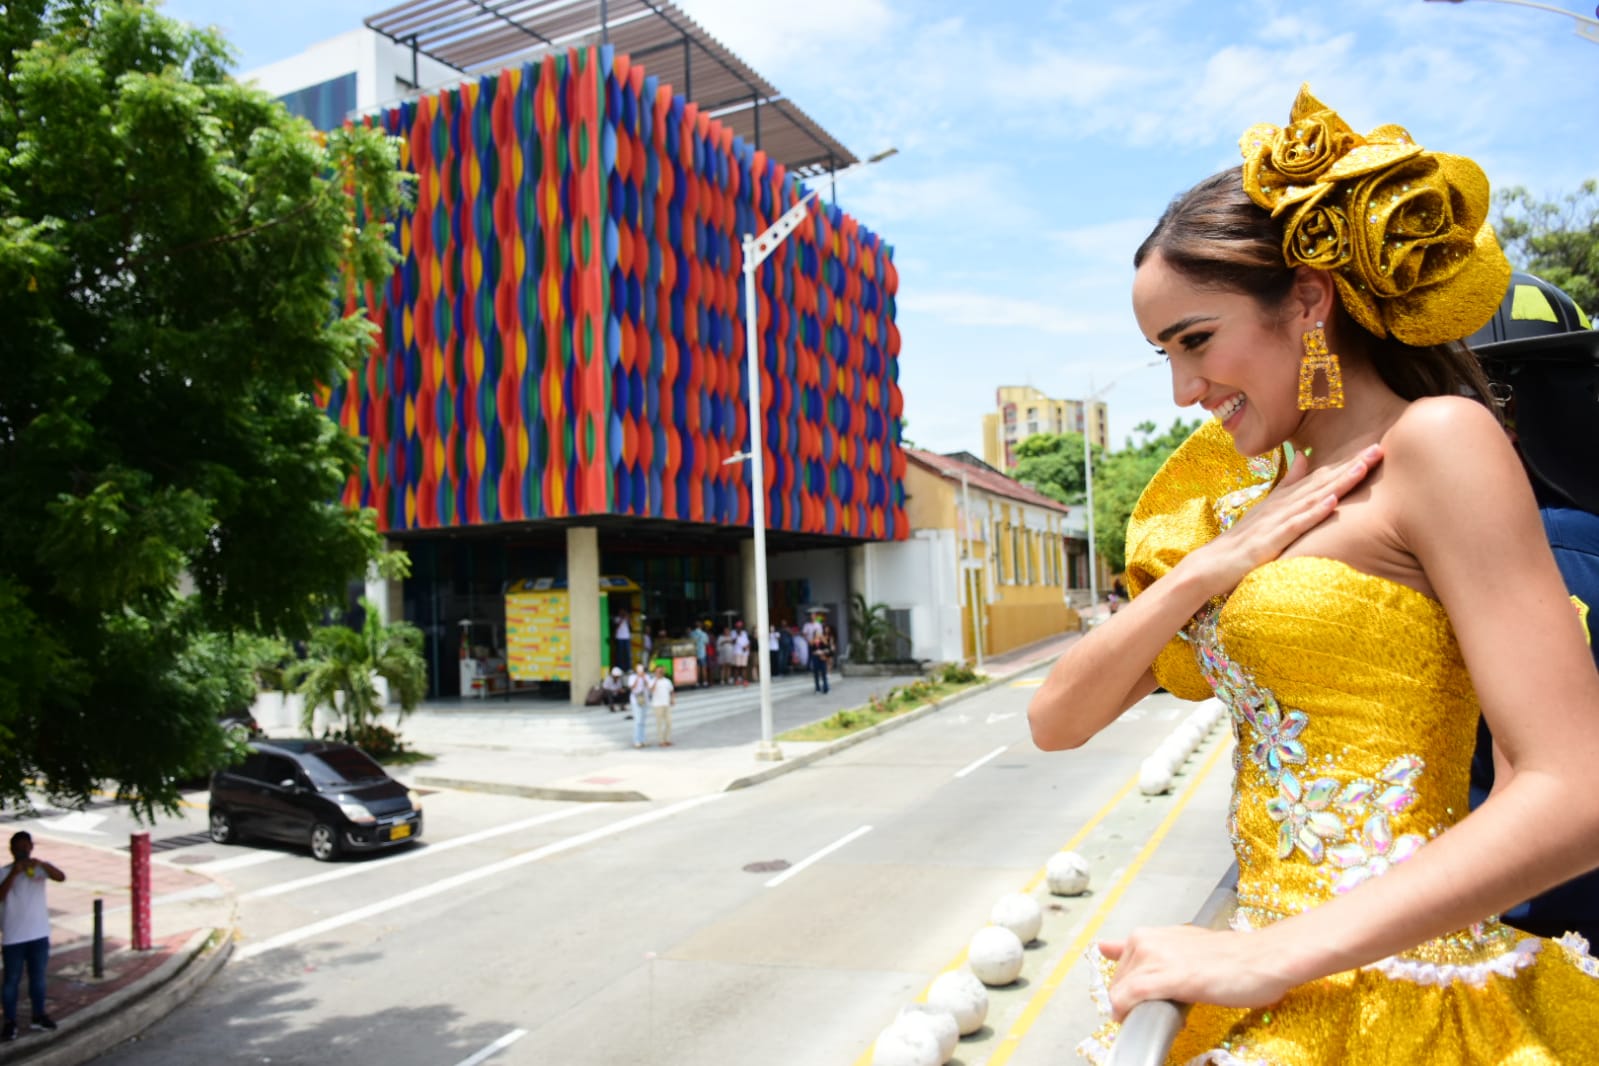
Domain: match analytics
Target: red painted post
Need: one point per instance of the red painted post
(140, 852)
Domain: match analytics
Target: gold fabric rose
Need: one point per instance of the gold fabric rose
(1318, 235)
(1277, 160)
(1403, 231)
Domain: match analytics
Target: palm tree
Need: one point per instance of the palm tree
(872, 633)
(341, 666)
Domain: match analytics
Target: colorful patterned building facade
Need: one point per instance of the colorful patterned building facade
(564, 335)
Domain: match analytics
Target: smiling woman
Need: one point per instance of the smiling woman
(1356, 608)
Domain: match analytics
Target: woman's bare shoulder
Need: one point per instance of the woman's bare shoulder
(1436, 434)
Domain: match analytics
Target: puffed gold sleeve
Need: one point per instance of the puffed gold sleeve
(1200, 490)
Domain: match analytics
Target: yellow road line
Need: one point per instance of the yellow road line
(1051, 984)
(1032, 883)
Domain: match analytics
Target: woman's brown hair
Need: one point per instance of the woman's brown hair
(1216, 236)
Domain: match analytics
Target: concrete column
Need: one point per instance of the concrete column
(583, 607)
(746, 577)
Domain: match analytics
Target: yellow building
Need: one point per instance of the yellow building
(1015, 550)
(1021, 411)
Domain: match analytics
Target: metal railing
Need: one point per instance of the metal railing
(1146, 1036)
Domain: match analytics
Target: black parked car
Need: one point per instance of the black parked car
(328, 795)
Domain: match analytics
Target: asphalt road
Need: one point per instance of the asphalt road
(538, 932)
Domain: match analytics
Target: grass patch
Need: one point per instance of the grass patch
(948, 680)
(406, 758)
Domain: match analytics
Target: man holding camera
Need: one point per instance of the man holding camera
(25, 931)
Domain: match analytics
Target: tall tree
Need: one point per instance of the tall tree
(1053, 464)
(1558, 240)
(172, 247)
(1120, 479)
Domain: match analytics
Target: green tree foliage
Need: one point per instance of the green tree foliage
(1053, 463)
(1120, 479)
(172, 245)
(340, 666)
(1558, 240)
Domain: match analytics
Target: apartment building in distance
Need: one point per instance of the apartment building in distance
(1021, 411)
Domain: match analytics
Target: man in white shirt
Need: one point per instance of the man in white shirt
(622, 643)
(25, 931)
(741, 652)
(662, 700)
(638, 687)
(811, 630)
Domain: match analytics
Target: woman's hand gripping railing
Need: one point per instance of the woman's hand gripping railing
(1146, 1036)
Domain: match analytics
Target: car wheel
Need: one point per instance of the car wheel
(324, 842)
(222, 828)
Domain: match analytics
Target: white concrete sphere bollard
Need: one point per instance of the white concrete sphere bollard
(903, 1044)
(1189, 736)
(1154, 776)
(963, 995)
(1067, 873)
(1171, 757)
(995, 955)
(1019, 913)
(936, 1020)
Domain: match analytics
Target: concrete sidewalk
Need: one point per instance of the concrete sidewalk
(192, 920)
(557, 752)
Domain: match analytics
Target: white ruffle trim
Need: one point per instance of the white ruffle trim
(1097, 990)
(1476, 975)
(1220, 1057)
(1576, 946)
(1094, 1051)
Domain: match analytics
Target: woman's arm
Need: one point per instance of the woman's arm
(1466, 512)
(1108, 671)
(1469, 517)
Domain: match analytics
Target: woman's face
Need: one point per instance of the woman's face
(1226, 355)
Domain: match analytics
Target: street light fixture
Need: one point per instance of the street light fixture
(1094, 397)
(832, 175)
(1587, 28)
(756, 250)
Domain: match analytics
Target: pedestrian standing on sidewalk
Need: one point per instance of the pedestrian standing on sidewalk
(741, 652)
(662, 700)
(702, 640)
(774, 648)
(25, 931)
(638, 687)
(785, 648)
(622, 643)
(821, 654)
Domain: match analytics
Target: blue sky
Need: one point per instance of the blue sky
(1038, 141)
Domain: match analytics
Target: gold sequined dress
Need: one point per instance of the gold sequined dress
(1354, 720)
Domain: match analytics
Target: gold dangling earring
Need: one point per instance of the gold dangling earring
(1317, 357)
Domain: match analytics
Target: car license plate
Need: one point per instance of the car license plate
(399, 832)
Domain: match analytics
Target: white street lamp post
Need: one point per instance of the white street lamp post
(1088, 484)
(1586, 27)
(756, 250)
(1092, 398)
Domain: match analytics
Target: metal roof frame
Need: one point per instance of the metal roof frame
(478, 36)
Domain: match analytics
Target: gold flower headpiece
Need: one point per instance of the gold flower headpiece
(1403, 231)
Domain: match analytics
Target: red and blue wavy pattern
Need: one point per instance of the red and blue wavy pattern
(564, 335)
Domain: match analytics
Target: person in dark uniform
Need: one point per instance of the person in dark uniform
(1542, 357)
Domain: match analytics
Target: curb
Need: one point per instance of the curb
(897, 722)
(777, 769)
(129, 1011)
(540, 792)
